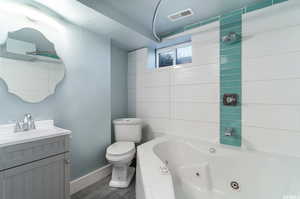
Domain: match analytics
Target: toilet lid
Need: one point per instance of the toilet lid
(121, 148)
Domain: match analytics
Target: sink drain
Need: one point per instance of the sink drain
(235, 185)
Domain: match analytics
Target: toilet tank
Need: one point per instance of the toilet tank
(128, 129)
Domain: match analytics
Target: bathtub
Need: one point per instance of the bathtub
(177, 168)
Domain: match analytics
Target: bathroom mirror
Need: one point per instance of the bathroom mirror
(29, 65)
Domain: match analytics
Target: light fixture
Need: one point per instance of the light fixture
(30, 12)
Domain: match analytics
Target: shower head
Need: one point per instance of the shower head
(231, 37)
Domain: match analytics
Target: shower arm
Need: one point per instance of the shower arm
(154, 21)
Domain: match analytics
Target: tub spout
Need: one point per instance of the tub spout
(229, 132)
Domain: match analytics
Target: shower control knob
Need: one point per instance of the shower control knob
(230, 99)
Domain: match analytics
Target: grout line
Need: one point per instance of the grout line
(194, 102)
(265, 104)
(195, 121)
(270, 80)
(255, 59)
(267, 128)
(176, 101)
(247, 33)
(195, 84)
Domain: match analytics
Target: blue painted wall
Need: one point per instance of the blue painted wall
(119, 94)
(81, 102)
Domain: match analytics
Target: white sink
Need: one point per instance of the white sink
(44, 129)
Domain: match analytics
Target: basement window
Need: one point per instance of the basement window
(174, 55)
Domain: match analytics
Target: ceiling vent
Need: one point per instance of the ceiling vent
(181, 14)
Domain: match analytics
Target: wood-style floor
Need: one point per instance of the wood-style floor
(101, 190)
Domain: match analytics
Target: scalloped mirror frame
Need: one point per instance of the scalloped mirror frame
(55, 34)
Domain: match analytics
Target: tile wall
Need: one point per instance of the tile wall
(185, 100)
(271, 78)
(179, 99)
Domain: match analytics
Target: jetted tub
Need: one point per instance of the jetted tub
(177, 168)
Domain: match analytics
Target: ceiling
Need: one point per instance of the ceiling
(74, 12)
(128, 22)
(137, 14)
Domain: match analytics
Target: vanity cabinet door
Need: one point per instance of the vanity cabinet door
(44, 179)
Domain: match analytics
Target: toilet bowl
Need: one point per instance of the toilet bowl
(121, 153)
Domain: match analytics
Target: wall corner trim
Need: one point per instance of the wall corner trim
(90, 178)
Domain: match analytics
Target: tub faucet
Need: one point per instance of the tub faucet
(228, 132)
(26, 125)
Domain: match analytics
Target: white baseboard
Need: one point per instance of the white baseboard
(89, 179)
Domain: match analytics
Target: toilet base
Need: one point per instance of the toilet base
(121, 176)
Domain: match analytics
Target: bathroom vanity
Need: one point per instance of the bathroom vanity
(34, 164)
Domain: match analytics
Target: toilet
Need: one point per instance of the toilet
(128, 132)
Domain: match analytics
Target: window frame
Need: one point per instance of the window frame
(171, 49)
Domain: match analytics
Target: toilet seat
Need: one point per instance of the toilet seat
(121, 148)
(120, 151)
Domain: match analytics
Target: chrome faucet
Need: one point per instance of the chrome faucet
(229, 132)
(25, 125)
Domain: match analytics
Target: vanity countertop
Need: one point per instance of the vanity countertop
(44, 129)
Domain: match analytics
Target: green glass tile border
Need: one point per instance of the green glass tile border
(262, 4)
(246, 9)
(278, 1)
(230, 79)
(259, 5)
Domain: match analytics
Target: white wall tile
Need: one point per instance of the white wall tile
(270, 74)
(272, 92)
(157, 78)
(153, 110)
(205, 54)
(142, 56)
(195, 112)
(141, 60)
(154, 94)
(271, 43)
(205, 45)
(271, 67)
(195, 93)
(208, 34)
(271, 140)
(154, 128)
(206, 131)
(157, 125)
(272, 116)
(284, 14)
(195, 82)
(195, 75)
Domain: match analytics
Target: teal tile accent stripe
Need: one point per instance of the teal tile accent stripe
(249, 8)
(230, 77)
(262, 4)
